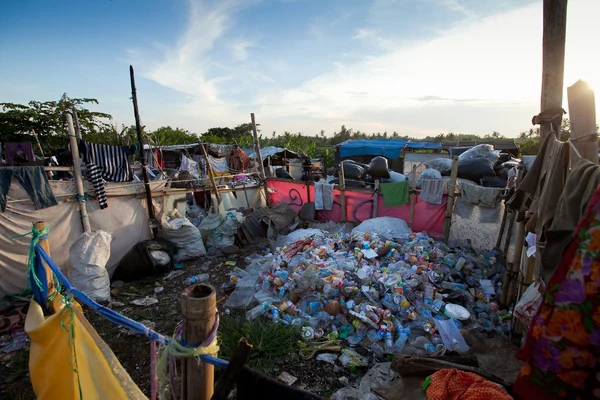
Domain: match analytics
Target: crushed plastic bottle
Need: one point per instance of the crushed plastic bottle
(192, 280)
(257, 311)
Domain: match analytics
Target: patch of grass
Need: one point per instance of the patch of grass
(18, 374)
(272, 343)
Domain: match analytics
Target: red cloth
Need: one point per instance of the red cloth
(453, 384)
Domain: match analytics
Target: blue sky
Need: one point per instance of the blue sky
(415, 67)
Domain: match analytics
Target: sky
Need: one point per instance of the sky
(415, 67)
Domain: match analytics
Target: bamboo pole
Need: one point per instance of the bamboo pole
(413, 195)
(37, 141)
(85, 221)
(210, 174)
(259, 159)
(45, 244)
(343, 193)
(451, 196)
(376, 199)
(199, 309)
(76, 120)
(516, 265)
(502, 226)
(582, 116)
(553, 59)
(138, 128)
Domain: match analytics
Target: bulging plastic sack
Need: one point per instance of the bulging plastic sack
(397, 177)
(185, 236)
(428, 174)
(353, 170)
(88, 257)
(378, 168)
(223, 235)
(299, 234)
(210, 222)
(485, 151)
(384, 226)
(443, 165)
(475, 169)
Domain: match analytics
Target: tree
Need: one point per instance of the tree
(47, 119)
(166, 136)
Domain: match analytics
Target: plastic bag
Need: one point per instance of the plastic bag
(485, 151)
(210, 222)
(378, 168)
(195, 214)
(88, 257)
(385, 226)
(442, 165)
(528, 306)
(185, 236)
(223, 235)
(282, 174)
(299, 234)
(428, 174)
(475, 169)
(353, 170)
(397, 177)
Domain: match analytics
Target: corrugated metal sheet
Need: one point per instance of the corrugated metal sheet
(253, 228)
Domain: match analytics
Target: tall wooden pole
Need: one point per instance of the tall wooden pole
(77, 127)
(138, 128)
(451, 197)
(582, 116)
(259, 159)
(199, 309)
(210, 175)
(553, 60)
(343, 193)
(85, 220)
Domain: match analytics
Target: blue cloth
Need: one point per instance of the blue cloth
(34, 181)
(389, 148)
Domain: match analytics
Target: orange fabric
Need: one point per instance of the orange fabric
(451, 384)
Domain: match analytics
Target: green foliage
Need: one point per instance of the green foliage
(168, 136)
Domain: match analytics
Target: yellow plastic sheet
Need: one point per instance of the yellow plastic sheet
(68, 360)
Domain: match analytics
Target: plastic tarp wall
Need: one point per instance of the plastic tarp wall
(388, 148)
(359, 206)
(126, 218)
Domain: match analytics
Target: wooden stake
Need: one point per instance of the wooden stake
(376, 199)
(343, 193)
(210, 174)
(582, 116)
(232, 372)
(85, 220)
(77, 127)
(516, 265)
(199, 309)
(37, 140)
(138, 128)
(259, 159)
(502, 226)
(45, 244)
(553, 59)
(413, 197)
(451, 196)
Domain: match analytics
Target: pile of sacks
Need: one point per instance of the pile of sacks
(480, 164)
(380, 287)
(359, 175)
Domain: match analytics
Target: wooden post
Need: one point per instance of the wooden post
(516, 265)
(138, 128)
(45, 244)
(451, 196)
(582, 116)
(210, 174)
(343, 193)
(233, 370)
(413, 197)
(553, 59)
(37, 141)
(77, 127)
(502, 226)
(85, 221)
(199, 309)
(259, 159)
(376, 199)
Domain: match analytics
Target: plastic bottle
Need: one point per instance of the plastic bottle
(373, 336)
(400, 342)
(377, 350)
(388, 340)
(430, 348)
(196, 279)
(257, 311)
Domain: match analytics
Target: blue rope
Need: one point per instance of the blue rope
(114, 316)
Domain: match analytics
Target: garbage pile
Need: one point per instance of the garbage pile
(383, 290)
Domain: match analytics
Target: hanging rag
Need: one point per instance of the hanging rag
(34, 181)
(218, 166)
(239, 160)
(190, 166)
(394, 194)
(18, 152)
(106, 163)
(432, 190)
(448, 384)
(324, 195)
(479, 195)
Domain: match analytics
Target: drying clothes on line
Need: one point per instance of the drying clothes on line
(34, 181)
(394, 194)
(579, 188)
(190, 166)
(108, 163)
(479, 195)
(218, 166)
(324, 195)
(18, 152)
(201, 161)
(432, 190)
(239, 160)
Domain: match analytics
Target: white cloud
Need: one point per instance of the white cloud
(239, 50)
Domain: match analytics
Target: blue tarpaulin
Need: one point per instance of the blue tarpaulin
(388, 148)
(424, 145)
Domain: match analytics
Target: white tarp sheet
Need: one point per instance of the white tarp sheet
(126, 218)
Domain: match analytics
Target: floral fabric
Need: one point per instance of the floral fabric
(563, 343)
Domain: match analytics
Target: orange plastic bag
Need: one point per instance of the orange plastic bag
(68, 360)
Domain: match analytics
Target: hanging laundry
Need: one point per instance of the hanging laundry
(34, 181)
(106, 163)
(323, 195)
(218, 166)
(394, 194)
(432, 190)
(479, 195)
(239, 160)
(190, 166)
(18, 152)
